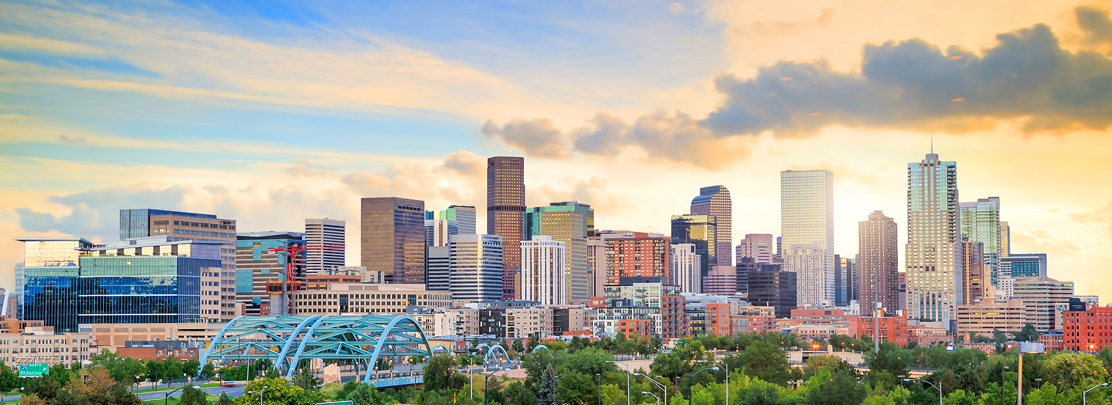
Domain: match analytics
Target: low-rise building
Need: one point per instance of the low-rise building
(1052, 341)
(522, 323)
(635, 327)
(367, 299)
(745, 324)
(891, 328)
(824, 332)
(41, 346)
(1087, 331)
(928, 336)
(162, 349)
(642, 298)
(991, 315)
(115, 335)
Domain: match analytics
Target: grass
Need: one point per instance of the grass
(208, 385)
(212, 399)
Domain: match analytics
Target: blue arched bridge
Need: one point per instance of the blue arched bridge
(357, 340)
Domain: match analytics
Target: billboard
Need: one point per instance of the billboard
(33, 369)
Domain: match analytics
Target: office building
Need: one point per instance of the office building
(807, 261)
(807, 228)
(991, 315)
(1005, 239)
(878, 263)
(701, 231)
(760, 246)
(720, 280)
(37, 345)
(567, 222)
(973, 266)
(980, 222)
(714, 201)
(933, 239)
(476, 267)
(368, 299)
(437, 231)
(1045, 299)
(522, 323)
(439, 262)
(463, 215)
(597, 265)
(744, 266)
(506, 214)
(636, 254)
(261, 272)
(542, 270)
(1087, 331)
(70, 281)
(392, 238)
(686, 266)
(771, 287)
(321, 232)
(846, 283)
(1018, 265)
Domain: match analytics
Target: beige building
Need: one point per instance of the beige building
(39, 346)
(1042, 296)
(213, 308)
(989, 315)
(456, 322)
(368, 299)
(524, 322)
(112, 335)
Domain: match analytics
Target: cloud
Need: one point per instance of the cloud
(907, 85)
(536, 137)
(1095, 23)
(1102, 215)
(73, 140)
(677, 8)
(96, 213)
(1041, 240)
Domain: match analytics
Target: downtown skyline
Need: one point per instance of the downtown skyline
(82, 140)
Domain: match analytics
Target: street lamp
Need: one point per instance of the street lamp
(599, 377)
(1090, 389)
(689, 393)
(1024, 348)
(260, 394)
(628, 400)
(166, 400)
(654, 396)
(658, 385)
(939, 387)
(1006, 368)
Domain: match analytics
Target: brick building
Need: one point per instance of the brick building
(1087, 331)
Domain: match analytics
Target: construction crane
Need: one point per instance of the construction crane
(289, 283)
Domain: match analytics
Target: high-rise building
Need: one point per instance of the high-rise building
(178, 226)
(438, 274)
(807, 226)
(506, 214)
(476, 267)
(779, 250)
(392, 238)
(437, 231)
(543, 270)
(261, 274)
(933, 239)
(320, 232)
(760, 246)
(715, 201)
(464, 215)
(806, 260)
(701, 231)
(845, 281)
(720, 280)
(771, 287)
(980, 222)
(567, 222)
(70, 281)
(597, 265)
(635, 254)
(686, 268)
(1005, 239)
(973, 268)
(743, 267)
(878, 263)
(1045, 299)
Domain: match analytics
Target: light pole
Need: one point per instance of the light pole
(1002, 384)
(166, 400)
(599, 377)
(659, 385)
(628, 400)
(1090, 389)
(486, 384)
(939, 387)
(260, 394)
(1025, 348)
(689, 393)
(654, 396)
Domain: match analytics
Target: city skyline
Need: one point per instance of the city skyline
(143, 134)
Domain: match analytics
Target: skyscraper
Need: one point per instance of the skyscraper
(506, 214)
(543, 270)
(686, 267)
(320, 232)
(476, 267)
(807, 226)
(760, 246)
(437, 231)
(1005, 239)
(464, 215)
(878, 264)
(715, 201)
(392, 238)
(439, 267)
(701, 231)
(980, 222)
(597, 265)
(933, 239)
(567, 222)
(1018, 265)
(635, 254)
(846, 284)
(973, 272)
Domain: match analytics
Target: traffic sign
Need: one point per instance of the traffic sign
(33, 369)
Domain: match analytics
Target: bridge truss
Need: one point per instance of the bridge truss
(287, 340)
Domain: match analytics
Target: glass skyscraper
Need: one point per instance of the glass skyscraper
(980, 222)
(701, 231)
(464, 215)
(476, 267)
(933, 239)
(715, 201)
(506, 214)
(807, 228)
(392, 238)
(570, 223)
(319, 232)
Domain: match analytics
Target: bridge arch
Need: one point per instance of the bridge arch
(493, 351)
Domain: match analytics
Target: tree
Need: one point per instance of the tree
(826, 388)
(889, 358)
(766, 361)
(8, 378)
(546, 394)
(172, 369)
(439, 371)
(1067, 370)
(305, 379)
(517, 394)
(1027, 334)
(224, 399)
(208, 372)
(192, 396)
(576, 388)
(535, 364)
(43, 387)
(31, 399)
(588, 361)
(276, 392)
(191, 367)
(518, 346)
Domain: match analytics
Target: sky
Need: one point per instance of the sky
(273, 112)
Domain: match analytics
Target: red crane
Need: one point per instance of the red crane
(289, 284)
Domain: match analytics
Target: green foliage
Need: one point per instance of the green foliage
(576, 388)
(1068, 370)
(192, 396)
(1027, 334)
(224, 399)
(365, 394)
(9, 380)
(438, 372)
(890, 358)
(767, 362)
(275, 391)
(518, 346)
(546, 392)
(305, 379)
(517, 394)
(832, 388)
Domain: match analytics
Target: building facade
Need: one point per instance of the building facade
(685, 265)
(701, 231)
(543, 270)
(760, 246)
(973, 266)
(643, 299)
(44, 347)
(438, 276)
(721, 280)
(320, 232)
(368, 299)
(807, 228)
(567, 222)
(506, 214)
(715, 201)
(878, 263)
(636, 254)
(933, 239)
(463, 215)
(392, 238)
(1087, 331)
(1044, 299)
(991, 315)
(771, 287)
(846, 280)
(261, 273)
(476, 268)
(980, 223)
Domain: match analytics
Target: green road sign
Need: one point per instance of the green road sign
(335, 403)
(33, 369)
